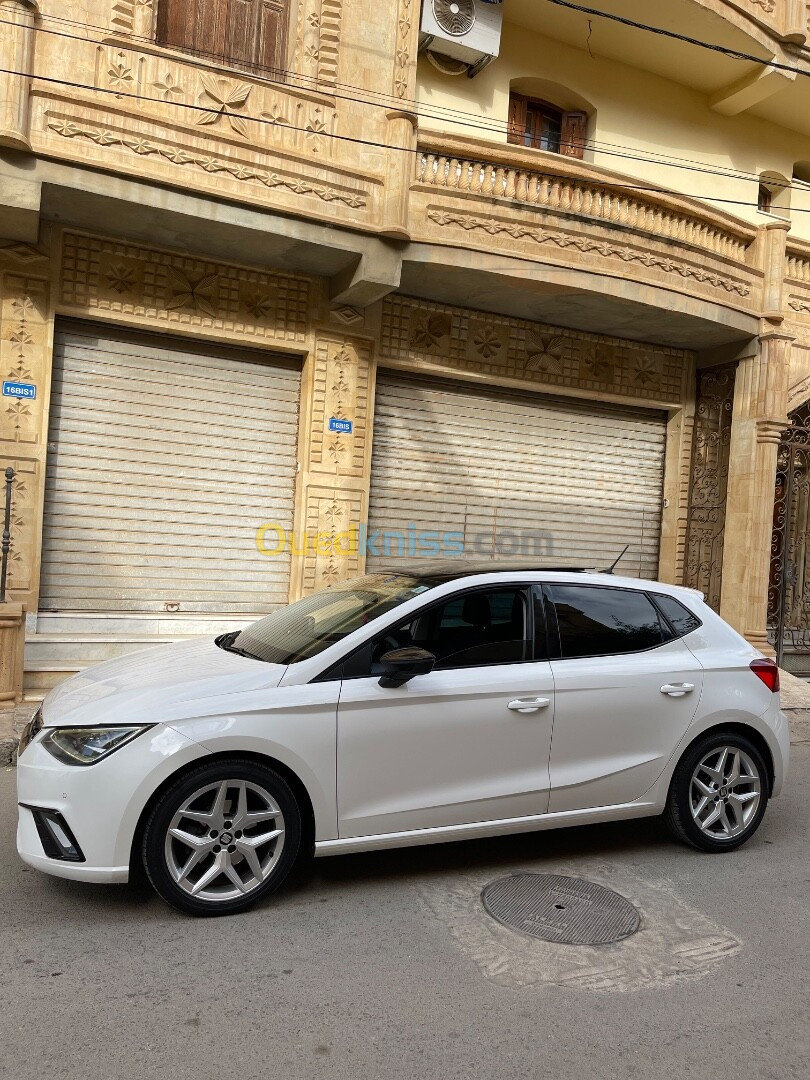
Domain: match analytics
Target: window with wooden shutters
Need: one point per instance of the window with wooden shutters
(246, 33)
(543, 126)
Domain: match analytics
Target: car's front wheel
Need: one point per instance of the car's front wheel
(221, 837)
(719, 793)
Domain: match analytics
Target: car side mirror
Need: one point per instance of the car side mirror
(401, 665)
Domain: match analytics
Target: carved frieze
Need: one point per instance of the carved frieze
(455, 338)
(245, 174)
(574, 240)
(163, 288)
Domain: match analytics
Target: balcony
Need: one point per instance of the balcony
(577, 228)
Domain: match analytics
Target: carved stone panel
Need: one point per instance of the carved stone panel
(432, 335)
(163, 289)
(708, 485)
(341, 391)
(24, 358)
(331, 523)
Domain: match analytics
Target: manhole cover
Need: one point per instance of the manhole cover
(563, 909)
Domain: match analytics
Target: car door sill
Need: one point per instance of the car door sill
(479, 829)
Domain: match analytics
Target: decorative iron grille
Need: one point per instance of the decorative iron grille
(703, 564)
(789, 584)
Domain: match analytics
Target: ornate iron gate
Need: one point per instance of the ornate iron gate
(789, 586)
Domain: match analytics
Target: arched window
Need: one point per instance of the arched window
(546, 117)
(774, 195)
(245, 33)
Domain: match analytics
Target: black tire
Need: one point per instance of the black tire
(678, 814)
(236, 769)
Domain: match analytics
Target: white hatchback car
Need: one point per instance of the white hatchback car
(396, 709)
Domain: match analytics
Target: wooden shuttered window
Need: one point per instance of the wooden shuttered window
(572, 141)
(543, 126)
(246, 33)
(518, 107)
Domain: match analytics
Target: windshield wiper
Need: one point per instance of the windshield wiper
(226, 642)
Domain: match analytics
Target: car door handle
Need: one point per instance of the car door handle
(678, 689)
(529, 704)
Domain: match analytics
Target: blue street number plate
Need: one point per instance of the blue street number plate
(344, 426)
(20, 390)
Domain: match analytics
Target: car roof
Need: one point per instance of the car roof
(434, 572)
(449, 569)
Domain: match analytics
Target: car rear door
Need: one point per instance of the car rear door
(468, 742)
(626, 690)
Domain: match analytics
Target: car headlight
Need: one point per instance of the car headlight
(87, 745)
(30, 731)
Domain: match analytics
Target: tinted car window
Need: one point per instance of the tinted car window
(477, 628)
(473, 629)
(596, 621)
(683, 621)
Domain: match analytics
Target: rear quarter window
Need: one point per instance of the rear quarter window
(681, 618)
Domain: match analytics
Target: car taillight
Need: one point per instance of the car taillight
(768, 672)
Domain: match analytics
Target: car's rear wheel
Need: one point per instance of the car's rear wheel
(221, 837)
(719, 793)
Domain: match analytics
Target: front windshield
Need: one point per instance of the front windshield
(311, 625)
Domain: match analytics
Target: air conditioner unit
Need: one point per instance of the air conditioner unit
(466, 30)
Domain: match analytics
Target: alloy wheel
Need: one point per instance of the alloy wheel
(225, 840)
(725, 792)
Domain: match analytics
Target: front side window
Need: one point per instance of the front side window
(245, 33)
(598, 621)
(478, 628)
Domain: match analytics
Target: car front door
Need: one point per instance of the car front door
(626, 690)
(467, 742)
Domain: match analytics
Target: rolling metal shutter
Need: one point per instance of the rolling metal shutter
(516, 474)
(163, 461)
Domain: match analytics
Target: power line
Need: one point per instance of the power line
(655, 189)
(735, 54)
(458, 116)
(469, 119)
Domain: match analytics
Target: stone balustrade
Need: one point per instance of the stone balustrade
(557, 209)
(553, 190)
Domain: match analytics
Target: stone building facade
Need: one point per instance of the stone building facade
(316, 296)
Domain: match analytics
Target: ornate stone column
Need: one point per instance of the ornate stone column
(759, 417)
(794, 28)
(16, 59)
(399, 173)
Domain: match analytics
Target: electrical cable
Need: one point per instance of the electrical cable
(617, 185)
(474, 121)
(458, 116)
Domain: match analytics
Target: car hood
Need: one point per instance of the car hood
(156, 684)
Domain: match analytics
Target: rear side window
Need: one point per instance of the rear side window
(598, 621)
(683, 621)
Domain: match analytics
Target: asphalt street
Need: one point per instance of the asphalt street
(387, 966)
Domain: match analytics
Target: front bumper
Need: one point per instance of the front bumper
(100, 803)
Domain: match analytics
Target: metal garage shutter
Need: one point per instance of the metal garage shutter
(516, 474)
(163, 460)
